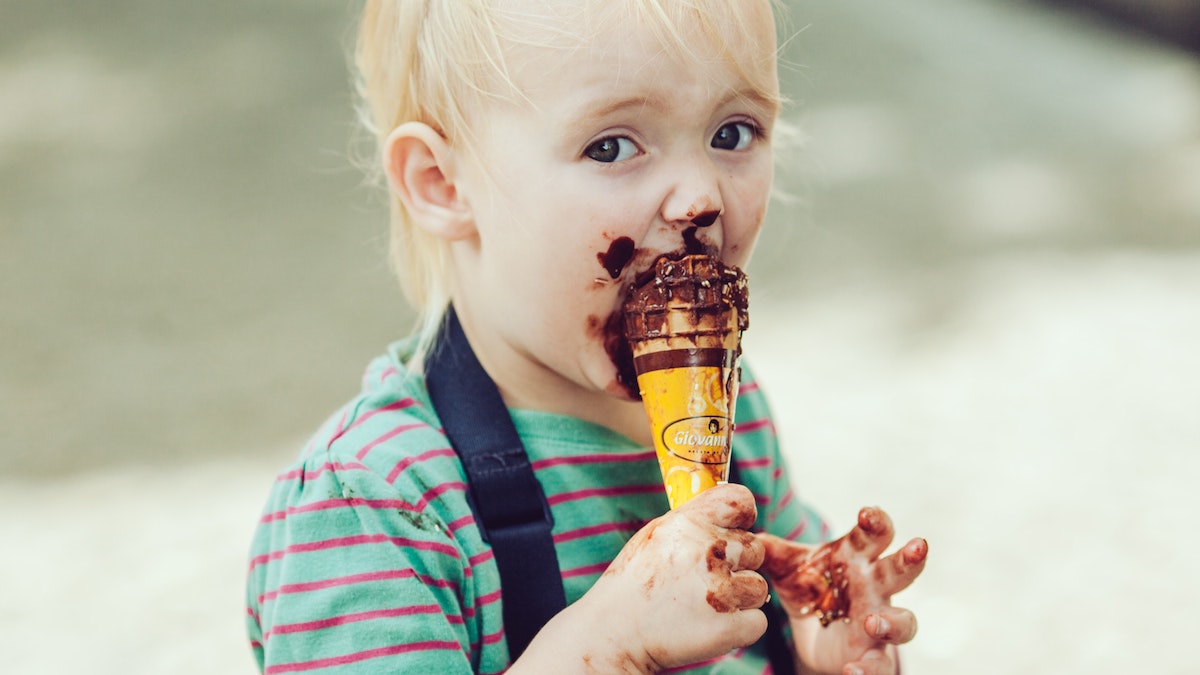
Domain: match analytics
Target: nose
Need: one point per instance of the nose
(695, 195)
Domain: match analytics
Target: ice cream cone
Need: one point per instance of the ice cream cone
(684, 326)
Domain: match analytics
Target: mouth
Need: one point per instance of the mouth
(622, 252)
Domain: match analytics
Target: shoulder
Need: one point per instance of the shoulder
(378, 484)
(371, 517)
(385, 443)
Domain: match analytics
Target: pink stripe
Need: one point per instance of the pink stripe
(493, 638)
(604, 492)
(488, 599)
(481, 557)
(754, 425)
(355, 617)
(483, 600)
(747, 387)
(409, 461)
(366, 449)
(787, 499)
(394, 405)
(341, 427)
(313, 473)
(795, 534)
(593, 459)
(352, 579)
(388, 372)
(596, 529)
(456, 525)
(596, 568)
(327, 504)
(434, 493)
(758, 463)
(357, 540)
(392, 650)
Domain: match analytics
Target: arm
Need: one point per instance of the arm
(682, 590)
(837, 596)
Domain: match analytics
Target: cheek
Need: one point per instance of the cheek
(741, 233)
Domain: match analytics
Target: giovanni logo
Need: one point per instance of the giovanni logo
(703, 439)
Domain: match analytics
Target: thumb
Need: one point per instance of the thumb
(729, 506)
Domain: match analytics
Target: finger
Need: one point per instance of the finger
(745, 550)
(891, 624)
(898, 570)
(729, 505)
(874, 661)
(739, 550)
(873, 533)
(737, 591)
(744, 628)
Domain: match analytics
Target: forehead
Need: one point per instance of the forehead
(546, 39)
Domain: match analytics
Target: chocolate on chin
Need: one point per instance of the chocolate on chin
(684, 323)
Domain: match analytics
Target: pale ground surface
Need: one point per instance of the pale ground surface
(982, 314)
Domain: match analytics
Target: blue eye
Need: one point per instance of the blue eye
(734, 136)
(611, 149)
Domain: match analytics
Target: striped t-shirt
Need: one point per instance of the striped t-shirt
(367, 558)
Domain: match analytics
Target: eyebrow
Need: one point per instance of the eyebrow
(769, 105)
(622, 104)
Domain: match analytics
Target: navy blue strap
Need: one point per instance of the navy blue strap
(509, 503)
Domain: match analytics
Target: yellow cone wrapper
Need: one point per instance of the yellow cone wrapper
(684, 325)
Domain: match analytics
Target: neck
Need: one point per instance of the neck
(526, 383)
(619, 415)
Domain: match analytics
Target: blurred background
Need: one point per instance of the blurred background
(979, 307)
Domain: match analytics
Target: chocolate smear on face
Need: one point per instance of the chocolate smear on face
(618, 255)
(621, 354)
(705, 219)
(693, 246)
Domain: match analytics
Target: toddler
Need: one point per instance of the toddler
(541, 154)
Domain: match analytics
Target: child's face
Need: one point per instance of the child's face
(621, 151)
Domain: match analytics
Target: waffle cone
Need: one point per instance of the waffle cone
(684, 326)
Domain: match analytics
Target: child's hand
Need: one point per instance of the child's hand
(845, 586)
(684, 588)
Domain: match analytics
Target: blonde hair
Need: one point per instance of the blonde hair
(437, 61)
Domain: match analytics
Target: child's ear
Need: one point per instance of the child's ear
(420, 168)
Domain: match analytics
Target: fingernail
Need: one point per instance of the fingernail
(881, 627)
(855, 671)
